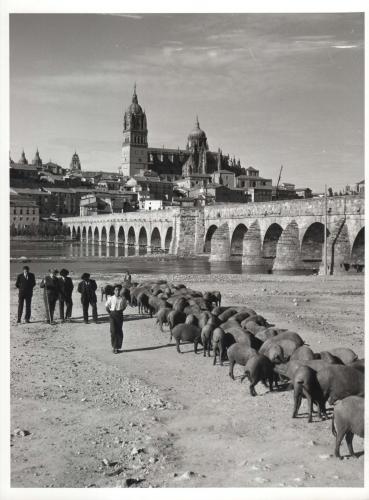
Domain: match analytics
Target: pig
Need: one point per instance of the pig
(359, 364)
(268, 333)
(203, 318)
(259, 368)
(305, 384)
(339, 382)
(347, 420)
(345, 354)
(243, 314)
(189, 333)
(303, 353)
(175, 318)
(206, 335)
(240, 354)
(162, 317)
(225, 315)
(221, 341)
(329, 358)
(191, 319)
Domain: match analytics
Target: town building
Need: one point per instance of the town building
(23, 211)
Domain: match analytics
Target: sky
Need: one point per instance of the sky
(269, 89)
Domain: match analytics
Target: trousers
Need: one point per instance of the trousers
(50, 303)
(116, 329)
(21, 299)
(68, 307)
(85, 304)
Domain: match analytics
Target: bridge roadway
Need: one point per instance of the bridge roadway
(279, 236)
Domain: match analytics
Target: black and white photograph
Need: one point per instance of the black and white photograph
(186, 293)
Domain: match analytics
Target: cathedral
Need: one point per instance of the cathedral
(196, 160)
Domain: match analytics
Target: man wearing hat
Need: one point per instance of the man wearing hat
(50, 284)
(65, 295)
(25, 284)
(87, 288)
(115, 306)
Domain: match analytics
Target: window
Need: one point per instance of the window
(20, 211)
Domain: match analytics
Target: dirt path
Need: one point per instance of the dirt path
(147, 416)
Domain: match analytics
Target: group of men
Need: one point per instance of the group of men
(60, 288)
(57, 286)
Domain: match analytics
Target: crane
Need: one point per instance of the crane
(279, 178)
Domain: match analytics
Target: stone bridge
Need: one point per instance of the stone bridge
(272, 236)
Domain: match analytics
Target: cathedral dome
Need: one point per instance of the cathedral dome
(197, 133)
(134, 108)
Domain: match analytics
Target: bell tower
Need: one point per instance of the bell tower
(134, 147)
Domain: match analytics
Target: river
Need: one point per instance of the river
(101, 260)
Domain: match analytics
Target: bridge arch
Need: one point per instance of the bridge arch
(111, 239)
(103, 235)
(84, 232)
(78, 233)
(208, 237)
(312, 245)
(74, 233)
(121, 236)
(89, 233)
(131, 240)
(96, 234)
(358, 251)
(237, 241)
(142, 241)
(168, 239)
(222, 250)
(270, 242)
(155, 241)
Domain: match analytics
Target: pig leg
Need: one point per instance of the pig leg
(177, 343)
(339, 437)
(252, 389)
(310, 405)
(231, 366)
(209, 342)
(195, 347)
(245, 374)
(215, 349)
(221, 354)
(349, 437)
(205, 347)
(297, 396)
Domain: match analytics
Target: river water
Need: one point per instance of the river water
(100, 261)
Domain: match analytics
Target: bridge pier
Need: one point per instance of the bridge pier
(288, 256)
(252, 256)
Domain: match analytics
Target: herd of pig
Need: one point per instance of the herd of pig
(271, 355)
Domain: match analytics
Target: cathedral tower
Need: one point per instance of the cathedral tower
(75, 164)
(134, 148)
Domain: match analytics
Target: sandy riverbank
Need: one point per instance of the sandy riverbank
(154, 415)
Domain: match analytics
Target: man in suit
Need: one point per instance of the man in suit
(50, 284)
(87, 288)
(65, 295)
(25, 284)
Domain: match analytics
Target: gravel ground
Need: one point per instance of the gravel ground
(149, 417)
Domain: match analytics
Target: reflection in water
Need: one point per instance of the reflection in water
(51, 253)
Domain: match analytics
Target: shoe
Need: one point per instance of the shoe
(115, 351)
(18, 321)
(27, 321)
(86, 322)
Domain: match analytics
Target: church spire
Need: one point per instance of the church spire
(134, 96)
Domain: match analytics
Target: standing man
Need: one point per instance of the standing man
(50, 284)
(65, 295)
(87, 289)
(25, 284)
(115, 306)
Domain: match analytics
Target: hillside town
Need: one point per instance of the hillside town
(148, 179)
